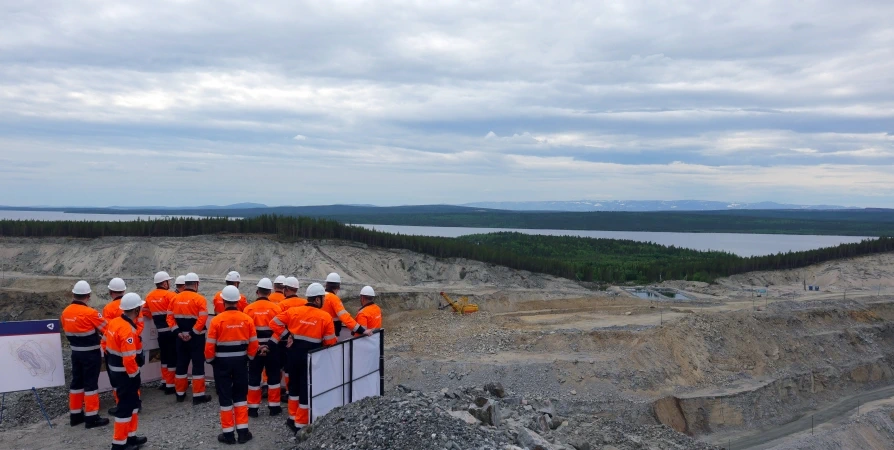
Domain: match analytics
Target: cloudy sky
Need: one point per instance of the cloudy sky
(410, 102)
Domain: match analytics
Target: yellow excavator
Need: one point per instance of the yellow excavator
(462, 306)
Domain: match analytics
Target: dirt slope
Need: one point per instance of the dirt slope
(403, 279)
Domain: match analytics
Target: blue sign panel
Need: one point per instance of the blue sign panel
(29, 327)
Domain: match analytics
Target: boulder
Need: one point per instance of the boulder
(495, 389)
(488, 414)
(540, 424)
(465, 417)
(532, 441)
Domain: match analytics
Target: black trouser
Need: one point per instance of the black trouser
(128, 390)
(167, 346)
(85, 368)
(111, 378)
(231, 379)
(271, 362)
(191, 352)
(298, 373)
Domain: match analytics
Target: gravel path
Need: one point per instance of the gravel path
(167, 424)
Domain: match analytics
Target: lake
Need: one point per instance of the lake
(59, 215)
(739, 244)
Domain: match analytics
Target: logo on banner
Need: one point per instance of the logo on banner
(50, 326)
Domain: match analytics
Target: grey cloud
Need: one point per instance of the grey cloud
(414, 88)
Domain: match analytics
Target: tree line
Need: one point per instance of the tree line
(578, 258)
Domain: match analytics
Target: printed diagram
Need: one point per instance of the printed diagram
(34, 358)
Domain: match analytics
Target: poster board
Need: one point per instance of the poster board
(31, 355)
(345, 373)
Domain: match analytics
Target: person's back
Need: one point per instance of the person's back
(231, 340)
(292, 302)
(84, 327)
(262, 312)
(112, 310)
(187, 308)
(370, 316)
(276, 297)
(219, 303)
(158, 303)
(188, 318)
(305, 328)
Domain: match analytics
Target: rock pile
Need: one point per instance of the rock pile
(477, 419)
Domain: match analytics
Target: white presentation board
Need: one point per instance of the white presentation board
(31, 355)
(344, 373)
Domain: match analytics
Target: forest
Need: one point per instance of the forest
(850, 222)
(582, 259)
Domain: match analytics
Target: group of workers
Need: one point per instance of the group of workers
(243, 342)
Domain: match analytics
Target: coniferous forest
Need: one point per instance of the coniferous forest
(583, 259)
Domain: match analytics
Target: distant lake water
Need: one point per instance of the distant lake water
(59, 215)
(736, 243)
(739, 244)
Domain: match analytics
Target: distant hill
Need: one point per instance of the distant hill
(180, 208)
(642, 205)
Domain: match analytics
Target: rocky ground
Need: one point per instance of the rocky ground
(577, 368)
(489, 417)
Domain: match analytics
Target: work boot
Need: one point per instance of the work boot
(275, 411)
(162, 387)
(124, 447)
(181, 398)
(170, 391)
(113, 410)
(244, 436)
(291, 424)
(226, 438)
(199, 400)
(76, 419)
(95, 422)
(137, 440)
(252, 412)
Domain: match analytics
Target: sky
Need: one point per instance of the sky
(419, 102)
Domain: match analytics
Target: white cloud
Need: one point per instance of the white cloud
(585, 95)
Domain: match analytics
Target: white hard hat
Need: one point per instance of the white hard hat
(81, 288)
(315, 290)
(292, 282)
(117, 285)
(230, 294)
(161, 277)
(333, 278)
(233, 276)
(191, 278)
(280, 280)
(368, 291)
(131, 301)
(265, 283)
(181, 280)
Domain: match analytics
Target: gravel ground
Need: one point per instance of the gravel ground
(167, 424)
